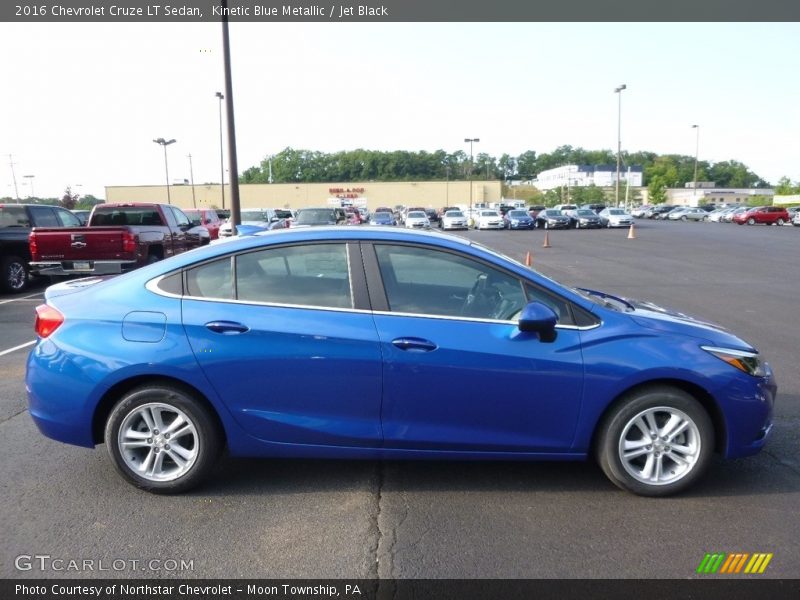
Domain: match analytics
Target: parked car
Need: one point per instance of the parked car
(353, 215)
(488, 219)
(566, 209)
(766, 215)
(262, 218)
(453, 219)
(615, 217)
(716, 215)
(517, 219)
(596, 208)
(655, 212)
(534, 210)
(417, 219)
(433, 216)
(314, 217)
(207, 217)
(639, 212)
(383, 218)
(16, 221)
(688, 213)
(585, 218)
(118, 238)
(728, 217)
(796, 219)
(166, 364)
(551, 218)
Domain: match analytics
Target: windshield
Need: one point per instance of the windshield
(417, 215)
(315, 216)
(489, 213)
(454, 213)
(194, 216)
(551, 212)
(585, 213)
(616, 211)
(517, 213)
(254, 215)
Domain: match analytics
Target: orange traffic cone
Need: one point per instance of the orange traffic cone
(631, 233)
(528, 260)
(546, 240)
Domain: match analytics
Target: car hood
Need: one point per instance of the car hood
(652, 316)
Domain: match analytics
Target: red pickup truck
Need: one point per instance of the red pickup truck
(117, 238)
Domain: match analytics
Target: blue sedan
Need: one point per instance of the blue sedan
(165, 364)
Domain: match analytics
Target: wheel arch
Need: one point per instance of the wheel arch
(118, 390)
(705, 399)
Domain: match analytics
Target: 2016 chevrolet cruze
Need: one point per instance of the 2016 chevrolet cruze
(389, 344)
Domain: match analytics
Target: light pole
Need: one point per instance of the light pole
(221, 159)
(618, 91)
(270, 169)
(30, 178)
(165, 143)
(191, 174)
(696, 154)
(471, 141)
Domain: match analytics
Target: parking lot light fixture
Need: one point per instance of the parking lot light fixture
(165, 143)
(618, 91)
(471, 141)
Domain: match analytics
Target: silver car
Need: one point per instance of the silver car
(615, 217)
(453, 219)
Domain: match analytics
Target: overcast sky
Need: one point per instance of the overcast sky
(83, 102)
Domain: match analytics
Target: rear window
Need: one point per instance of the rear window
(14, 216)
(129, 215)
(316, 216)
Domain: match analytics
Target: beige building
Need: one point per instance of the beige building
(433, 194)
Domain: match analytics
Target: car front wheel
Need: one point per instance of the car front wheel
(162, 439)
(655, 442)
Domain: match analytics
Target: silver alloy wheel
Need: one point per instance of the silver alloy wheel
(16, 276)
(158, 442)
(659, 446)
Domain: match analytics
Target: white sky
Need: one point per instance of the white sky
(83, 102)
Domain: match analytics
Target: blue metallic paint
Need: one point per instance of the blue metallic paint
(487, 391)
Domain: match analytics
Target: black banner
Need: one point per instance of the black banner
(400, 11)
(382, 589)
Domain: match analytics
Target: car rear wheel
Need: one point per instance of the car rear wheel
(655, 442)
(14, 274)
(162, 439)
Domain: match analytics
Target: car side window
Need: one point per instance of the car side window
(433, 282)
(43, 216)
(211, 280)
(560, 307)
(180, 217)
(308, 275)
(67, 219)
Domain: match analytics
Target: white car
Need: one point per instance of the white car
(615, 217)
(453, 219)
(416, 219)
(489, 219)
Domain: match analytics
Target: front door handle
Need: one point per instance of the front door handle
(414, 344)
(227, 327)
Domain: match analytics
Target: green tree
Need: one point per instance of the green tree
(657, 190)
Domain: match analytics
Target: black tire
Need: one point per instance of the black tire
(619, 426)
(751, 221)
(204, 440)
(781, 221)
(14, 272)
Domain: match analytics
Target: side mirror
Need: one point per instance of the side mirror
(539, 318)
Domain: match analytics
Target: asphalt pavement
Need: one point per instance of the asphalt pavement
(351, 519)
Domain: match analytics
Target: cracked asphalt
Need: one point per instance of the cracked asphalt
(349, 519)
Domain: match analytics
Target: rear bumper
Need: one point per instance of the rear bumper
(82, 267)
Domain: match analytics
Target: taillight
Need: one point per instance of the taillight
(129, 242)
(48, 319)
(33, 246)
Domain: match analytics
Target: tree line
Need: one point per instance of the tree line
(308, 166)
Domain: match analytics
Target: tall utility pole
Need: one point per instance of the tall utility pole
(618, 91)
(221, 158)
(14, 177)
(165, 143)
(191, 174)
(471, 141)
(696, 154)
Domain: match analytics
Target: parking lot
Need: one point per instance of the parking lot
(340, 519)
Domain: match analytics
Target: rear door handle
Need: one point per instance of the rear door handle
(413, 344)
(227, 327)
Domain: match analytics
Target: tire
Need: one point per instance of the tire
(136, 416)
(751, 221)
(628, 423)
(546, 225)
(14, 272)
(781, 221)
(683, 218)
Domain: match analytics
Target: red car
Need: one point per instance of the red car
(207, 217)
(769, 215)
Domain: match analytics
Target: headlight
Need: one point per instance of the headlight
(749, 362)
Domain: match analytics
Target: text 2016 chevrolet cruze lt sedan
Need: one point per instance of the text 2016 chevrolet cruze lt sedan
(390, 344)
